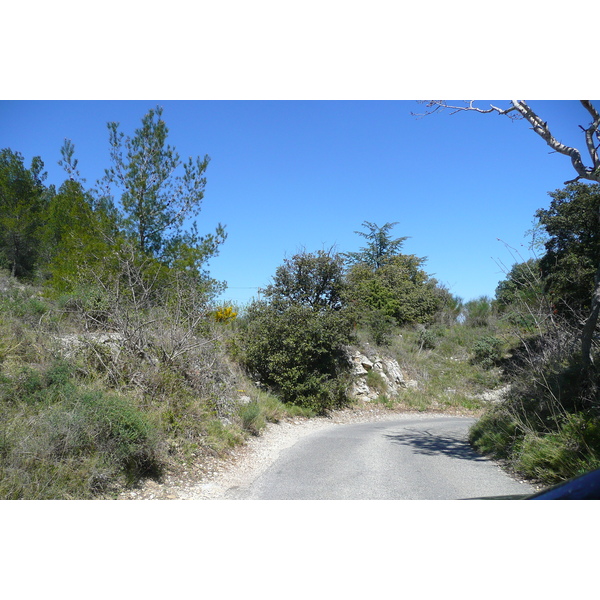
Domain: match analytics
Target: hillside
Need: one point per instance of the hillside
(85, 414)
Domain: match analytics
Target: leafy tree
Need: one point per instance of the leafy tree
(450, 308)
(522, 284)
(380, 278)
(380, 247)
(313, 280)
(520, 297)
(572, 247)
(379, 325)
(156, 195)
(77, 231)
(189, 252)
(293, 340)
(156, 192)
(478, 312)
(571, 265)
(399, 288)
(22, 201)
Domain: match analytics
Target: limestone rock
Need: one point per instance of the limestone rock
(387, 368)
(361, 365)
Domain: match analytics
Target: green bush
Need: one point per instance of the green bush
(379, 325)
(427, 339)
(113, 426)
(252, 417)
(487, 351)
(479, 312)
(496, 433)
(298, 352)
(399, 289)
(573, 448)
(35, 386)
(59, 439)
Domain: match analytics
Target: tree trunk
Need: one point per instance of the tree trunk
(589, 328)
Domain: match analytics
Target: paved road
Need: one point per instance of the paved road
(412, 458)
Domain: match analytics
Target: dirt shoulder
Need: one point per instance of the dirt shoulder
(210, 479)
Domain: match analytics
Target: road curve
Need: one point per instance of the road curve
(411, 458)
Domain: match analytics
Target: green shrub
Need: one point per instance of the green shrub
(399, 289)
(573, 448)
(298, 352)
(38, 386)
(116, 428)
(479, 312)
(59, 439)
(379, 325)
(427, 339)
(487, 351)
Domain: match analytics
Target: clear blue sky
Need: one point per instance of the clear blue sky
(286, 175)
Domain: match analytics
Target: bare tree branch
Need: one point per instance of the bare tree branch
(541, 128)
(439, 105)
(520, 109)
(590, 131)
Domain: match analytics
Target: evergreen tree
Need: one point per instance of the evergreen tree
(76, 231)
(382, 279)
(380, 247)
(23, 197)
(156, 195)
(572, 247)
(400, 289)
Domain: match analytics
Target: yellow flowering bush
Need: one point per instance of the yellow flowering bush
(225, 314)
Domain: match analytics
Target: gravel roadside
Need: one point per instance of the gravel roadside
(211, 480)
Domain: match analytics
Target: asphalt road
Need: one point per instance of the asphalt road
(410, 458)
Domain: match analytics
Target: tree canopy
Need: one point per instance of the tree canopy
(380, 246)
(573, 246)
(23, 198)
(380, 278)
(315, 280)
(158, 191)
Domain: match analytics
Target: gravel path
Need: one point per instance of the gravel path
(210, 481)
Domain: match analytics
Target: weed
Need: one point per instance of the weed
(221, 437)
(376, 381)
(252, 417)
(427, 339)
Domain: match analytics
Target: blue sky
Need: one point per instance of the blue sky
(286, 175)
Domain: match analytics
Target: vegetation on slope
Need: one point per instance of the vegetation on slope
(116, 363)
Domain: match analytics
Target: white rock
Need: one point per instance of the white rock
(388, 369)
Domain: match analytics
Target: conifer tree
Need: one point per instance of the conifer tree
(156, 191)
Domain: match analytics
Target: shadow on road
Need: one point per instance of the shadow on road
(424, 442)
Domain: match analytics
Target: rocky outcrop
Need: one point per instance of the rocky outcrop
(386, 378)
(71, 344)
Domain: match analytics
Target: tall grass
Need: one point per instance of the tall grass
(547, 427)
